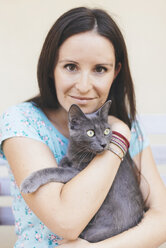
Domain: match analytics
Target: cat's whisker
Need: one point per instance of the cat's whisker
(85, 156)
(76, 154)
(82, 153)
(92, 155)
(123, 206)
(82, 149)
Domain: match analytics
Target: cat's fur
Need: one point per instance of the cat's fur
(123, 206)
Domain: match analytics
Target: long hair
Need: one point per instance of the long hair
(79, 20)
(73, 22)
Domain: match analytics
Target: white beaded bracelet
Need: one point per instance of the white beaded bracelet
(116, 153)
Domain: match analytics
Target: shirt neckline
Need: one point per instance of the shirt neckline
(50, 123)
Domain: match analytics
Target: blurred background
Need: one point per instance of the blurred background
(25, 23)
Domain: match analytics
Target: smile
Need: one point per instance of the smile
(82, 100)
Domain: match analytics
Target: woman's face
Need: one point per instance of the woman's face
(85, 71)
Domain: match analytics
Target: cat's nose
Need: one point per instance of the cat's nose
(103, 145)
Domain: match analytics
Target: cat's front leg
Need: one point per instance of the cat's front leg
(41, 177)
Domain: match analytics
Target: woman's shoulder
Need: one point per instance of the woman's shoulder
(21, 108)
(21, 120)
(26, 112)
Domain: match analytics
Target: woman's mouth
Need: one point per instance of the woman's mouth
(82, 100)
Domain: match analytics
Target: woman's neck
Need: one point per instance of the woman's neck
(59, 118)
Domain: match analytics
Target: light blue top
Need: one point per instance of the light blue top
(27, 120)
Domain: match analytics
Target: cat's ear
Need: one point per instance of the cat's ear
(103, 111)
(75, 115)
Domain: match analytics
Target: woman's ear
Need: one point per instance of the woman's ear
(117, 69)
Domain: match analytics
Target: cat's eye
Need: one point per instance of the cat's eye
(106, 131)
(90, 133)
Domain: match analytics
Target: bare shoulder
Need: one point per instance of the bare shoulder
(120, 126)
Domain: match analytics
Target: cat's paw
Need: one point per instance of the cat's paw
(28, 187)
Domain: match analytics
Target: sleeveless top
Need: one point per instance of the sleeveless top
(29, 121)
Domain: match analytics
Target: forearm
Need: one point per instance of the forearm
(64, 209)
(82, 196)
(150, 233)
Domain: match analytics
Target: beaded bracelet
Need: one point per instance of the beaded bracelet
(116, 153)
(117, 144)
(121, 142)
(121, 136)
(123, 146)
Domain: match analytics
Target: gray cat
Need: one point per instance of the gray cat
(91, 134)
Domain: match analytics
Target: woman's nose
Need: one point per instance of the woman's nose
(84, 83)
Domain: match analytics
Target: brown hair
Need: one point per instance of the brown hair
(76, 21)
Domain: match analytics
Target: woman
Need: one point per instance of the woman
(83, 61)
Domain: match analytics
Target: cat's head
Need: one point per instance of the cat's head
(90, 132)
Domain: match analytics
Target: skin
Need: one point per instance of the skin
(85, 72)
(68, 211)
(83, 75)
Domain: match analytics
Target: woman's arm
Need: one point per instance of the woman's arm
(151, 232)
(64, 209)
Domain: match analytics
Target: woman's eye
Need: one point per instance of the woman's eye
(71, 67)
(90, 133)
(100, 69)
(106, 131)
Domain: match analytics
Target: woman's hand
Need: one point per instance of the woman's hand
(119, 126)
(78, 243)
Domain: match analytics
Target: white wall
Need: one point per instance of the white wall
(25, 23)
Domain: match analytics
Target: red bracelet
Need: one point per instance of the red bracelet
(116, 138)
(121, 136)
(117, 141)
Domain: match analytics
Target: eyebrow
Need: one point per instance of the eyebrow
(110, 64)
(68, 61)
(72, 61)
